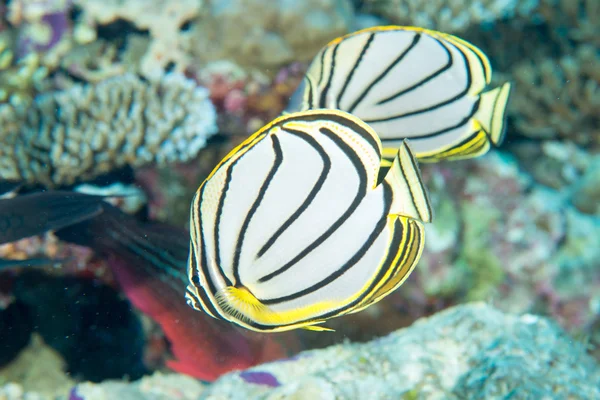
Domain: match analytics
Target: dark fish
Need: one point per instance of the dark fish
(6, 263)
(33, 214)
(9, 187)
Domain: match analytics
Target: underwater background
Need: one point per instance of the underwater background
(504, 303)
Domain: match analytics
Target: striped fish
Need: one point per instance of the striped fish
(296, 225)
(413, 83)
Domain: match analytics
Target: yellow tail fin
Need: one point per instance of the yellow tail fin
(492, 110)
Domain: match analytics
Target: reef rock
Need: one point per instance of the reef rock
(468, 352)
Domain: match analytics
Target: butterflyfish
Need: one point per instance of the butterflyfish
(297, 225)
(407, 82)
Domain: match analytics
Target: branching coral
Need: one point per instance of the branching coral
(559, 97)
(19, 80)
(89, 130)
(448, 15)
(578, 18)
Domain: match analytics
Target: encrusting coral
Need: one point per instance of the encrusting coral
(268, 34)
(163, 19)
(89, 130)
(448, 15)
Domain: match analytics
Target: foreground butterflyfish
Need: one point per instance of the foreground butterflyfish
(406, 82)
(300, 224)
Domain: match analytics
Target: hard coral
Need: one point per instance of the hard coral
(448, 15)
(576, 17)
(559, 97)
(21, 78)
(268, 34)
(89, 130)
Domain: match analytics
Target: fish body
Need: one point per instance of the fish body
(36, 213)
(407, 82)
(296, 225)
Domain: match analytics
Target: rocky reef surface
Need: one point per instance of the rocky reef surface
(472, 351)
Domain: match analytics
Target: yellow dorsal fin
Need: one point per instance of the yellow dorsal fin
(492, 110)
(409, 194)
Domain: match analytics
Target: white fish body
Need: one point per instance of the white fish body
(296, 226)
(410, 83)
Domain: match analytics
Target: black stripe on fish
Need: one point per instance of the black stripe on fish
(435, 106)
(311, 99)
(356, 257)
(362, 174)
(393, 253)
(201, 291)
(323, 99)
(412, 195)
(222, 195)
(396, 241)
(398, 59)
(354, 68)
(203, 259)
(321, 71)
(259, 198)
(310, 197)
(433, 75)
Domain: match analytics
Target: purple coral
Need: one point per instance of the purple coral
(260, 378)
(73, 395)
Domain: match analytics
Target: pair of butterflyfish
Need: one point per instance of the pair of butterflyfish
(320, 213)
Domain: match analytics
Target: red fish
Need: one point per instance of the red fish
(149, 261)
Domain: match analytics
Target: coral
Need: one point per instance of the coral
(576, 17)
(163, 19)
(94, 62)
(45, 245)
(44, 28)
(552, 163)
(268, 34)
(559, 97)
(19, 79)
(448, 15)
(586, 193)
(470, 351)
(157, 387)
(89, 130)
(39, 368)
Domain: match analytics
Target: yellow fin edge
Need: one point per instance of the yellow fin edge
(243, 306)
(492, 112)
